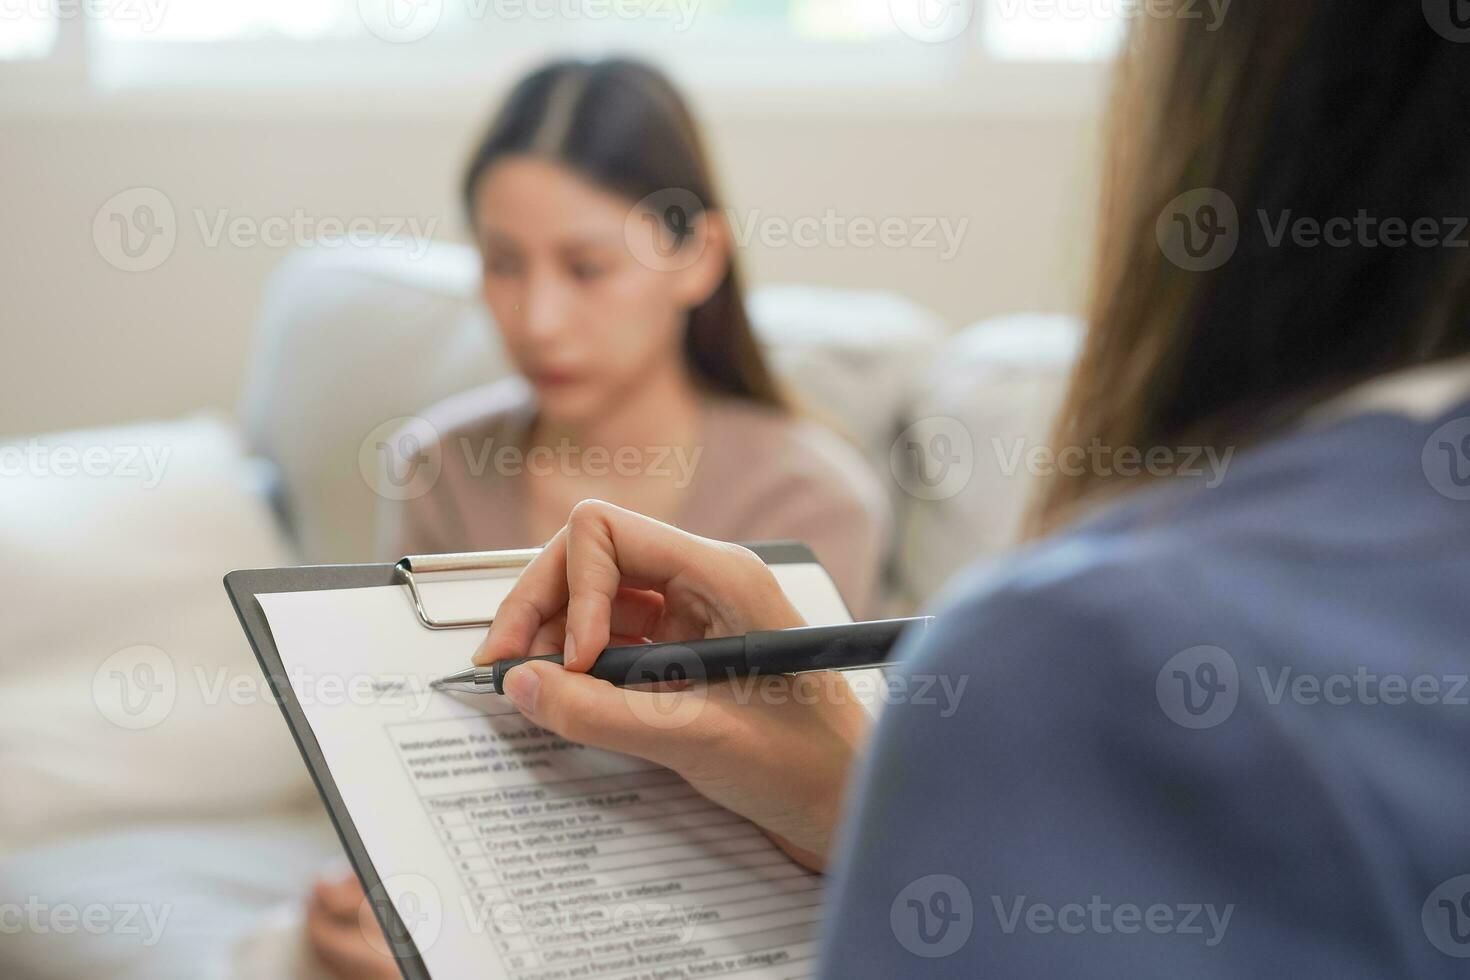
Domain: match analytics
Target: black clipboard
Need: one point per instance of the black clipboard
(244, 585)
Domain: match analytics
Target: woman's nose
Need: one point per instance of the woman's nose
(547, 305)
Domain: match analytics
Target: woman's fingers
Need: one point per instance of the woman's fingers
(662, 726)
(604, 552)
(601, 550)
(539, 596)
(339, 897)
(593, 582)
(610, 550)
(636, 617)
(343, 935)
(637, 612)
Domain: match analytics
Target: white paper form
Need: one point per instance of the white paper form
(509, 852)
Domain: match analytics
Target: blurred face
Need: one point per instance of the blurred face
(585, 317)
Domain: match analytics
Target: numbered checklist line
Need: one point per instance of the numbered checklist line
(795, 871)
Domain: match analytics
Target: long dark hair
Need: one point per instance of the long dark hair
(623, 126)
(1310, 109)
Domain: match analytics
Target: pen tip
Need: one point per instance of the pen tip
(449, 680)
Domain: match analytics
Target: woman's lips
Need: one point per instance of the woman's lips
(555, 379)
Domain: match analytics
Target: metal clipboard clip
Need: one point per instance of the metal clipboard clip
(466, 561)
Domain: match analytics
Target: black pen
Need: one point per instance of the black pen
(846, 646)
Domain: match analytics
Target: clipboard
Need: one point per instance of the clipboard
(244, 585)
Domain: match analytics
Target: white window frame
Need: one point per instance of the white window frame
(346, 79)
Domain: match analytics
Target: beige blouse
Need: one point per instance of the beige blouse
(756, 475)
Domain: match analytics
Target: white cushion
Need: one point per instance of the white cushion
(127, 689)
(852, 356)
(166, 901)
(352, 342)
(991, 394)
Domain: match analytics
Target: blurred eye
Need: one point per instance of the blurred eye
(502, 265)
(585, 271)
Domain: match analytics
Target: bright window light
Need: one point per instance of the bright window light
(236, 20)
(834, 19)
(296, 45)
(26, 31)
(1054, 30)
(227, 20)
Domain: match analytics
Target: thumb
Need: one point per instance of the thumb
(666, 727)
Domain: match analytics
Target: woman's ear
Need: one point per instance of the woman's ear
(711, 245)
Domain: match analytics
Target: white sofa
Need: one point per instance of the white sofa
(206, 811)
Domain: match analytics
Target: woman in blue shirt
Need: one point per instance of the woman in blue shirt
(1208, 730)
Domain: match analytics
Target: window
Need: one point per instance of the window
(953, 50)
(414, 20)
(1063, 30)
(223, 20)
(26, 32)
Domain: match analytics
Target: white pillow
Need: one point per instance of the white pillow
(127, 689)
(851, 354)
(988, 398)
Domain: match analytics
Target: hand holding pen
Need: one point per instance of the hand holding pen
(776, 751)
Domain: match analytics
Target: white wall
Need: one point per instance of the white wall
(86, 343)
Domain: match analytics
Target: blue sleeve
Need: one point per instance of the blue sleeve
(1030, 808)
